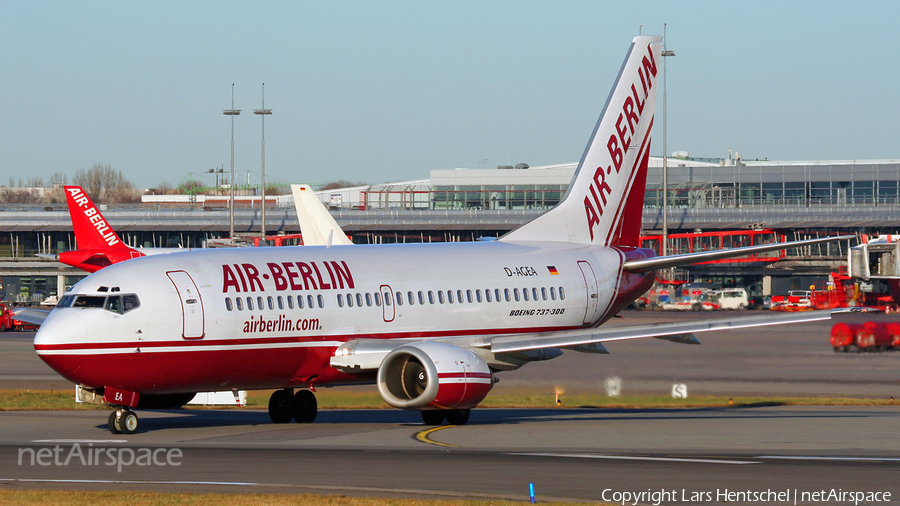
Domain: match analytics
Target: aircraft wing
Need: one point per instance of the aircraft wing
(678, 332)
(30, 315)
(316, 223)
(361, 355)
(654, 263)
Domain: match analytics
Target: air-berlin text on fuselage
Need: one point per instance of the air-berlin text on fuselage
(93, 215)
(619, 142)
(281, 276)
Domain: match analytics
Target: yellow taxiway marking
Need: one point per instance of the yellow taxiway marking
(423, 436)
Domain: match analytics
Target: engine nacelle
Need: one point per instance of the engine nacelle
(433, 375)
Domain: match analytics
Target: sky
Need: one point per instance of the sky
(386, 91)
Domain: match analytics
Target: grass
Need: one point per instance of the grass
(122, 498)
(11, 400)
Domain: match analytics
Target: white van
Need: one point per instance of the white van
(733, 298)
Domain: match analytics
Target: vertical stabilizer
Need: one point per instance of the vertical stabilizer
(316, 223)
(92, 231)
(604, 201)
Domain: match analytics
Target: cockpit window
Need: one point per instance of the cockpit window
(116, 303)
(89, 301)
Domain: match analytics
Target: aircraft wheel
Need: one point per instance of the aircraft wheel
(458, 416)
(433, 417)
(304, 407)
(128, 422)
(114, 423)
(280, 406)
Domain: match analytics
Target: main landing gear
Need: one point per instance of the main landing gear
(285, 404)
(453, 416)
(123, 421)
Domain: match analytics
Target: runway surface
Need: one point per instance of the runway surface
(571, 454)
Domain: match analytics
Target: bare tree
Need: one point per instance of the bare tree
(20, 196)
(340, 183)
(105, 184)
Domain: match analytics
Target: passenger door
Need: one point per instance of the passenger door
(191, 304)
(593, 297)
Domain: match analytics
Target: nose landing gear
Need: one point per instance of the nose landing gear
(123, 421)
(285, 404)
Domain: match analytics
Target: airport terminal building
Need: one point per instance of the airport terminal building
(720, 203)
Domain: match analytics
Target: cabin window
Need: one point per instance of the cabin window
(469, 296)
(544, 293)
(309, 301)
(280, 302)
(450, 296)
(249, 303)
(299, 302)
(399, 299)
(259, 303)
(487, 295)
(290, 300)
(497, 294)
(478, 296)
(553, 293)
(409, 295)
(271, 302)
(430, 297)
(340, 299)
(321, 301)
(359, 300)
(349, 300)
(369, 299)
(525, 294)
(228, 305)
(421, 297)
(240, 304)
(440, 296)
(506, 294)
(516, 294)
(562, 294)
(378, 300)
(459, 297)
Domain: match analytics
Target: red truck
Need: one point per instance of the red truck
(869, 336)
(9, 322)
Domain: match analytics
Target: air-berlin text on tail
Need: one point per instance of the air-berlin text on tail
(93, 215)
(318, 275)
(618, 143)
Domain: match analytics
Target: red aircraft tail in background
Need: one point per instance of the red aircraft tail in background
(98, 244)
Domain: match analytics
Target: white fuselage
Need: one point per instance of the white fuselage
(199, 324)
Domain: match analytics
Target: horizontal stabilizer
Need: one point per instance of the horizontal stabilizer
(570, 338)
(655, 263)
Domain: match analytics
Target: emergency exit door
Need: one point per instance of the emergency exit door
(592, 294)
(191, 304)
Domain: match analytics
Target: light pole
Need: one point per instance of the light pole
(232, 112)
(263, 112)
(665, 172)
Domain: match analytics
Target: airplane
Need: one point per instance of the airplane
(431, 325)
(316, 224)
(98, 244)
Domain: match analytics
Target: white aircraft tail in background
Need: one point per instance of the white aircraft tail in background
(316, 223)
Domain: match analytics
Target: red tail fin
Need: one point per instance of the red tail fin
(92, 231)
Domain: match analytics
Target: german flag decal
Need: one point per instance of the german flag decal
(553, 270)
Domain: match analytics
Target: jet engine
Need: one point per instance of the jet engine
(433, 376)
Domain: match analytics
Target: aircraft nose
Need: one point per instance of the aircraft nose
(57, 340)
